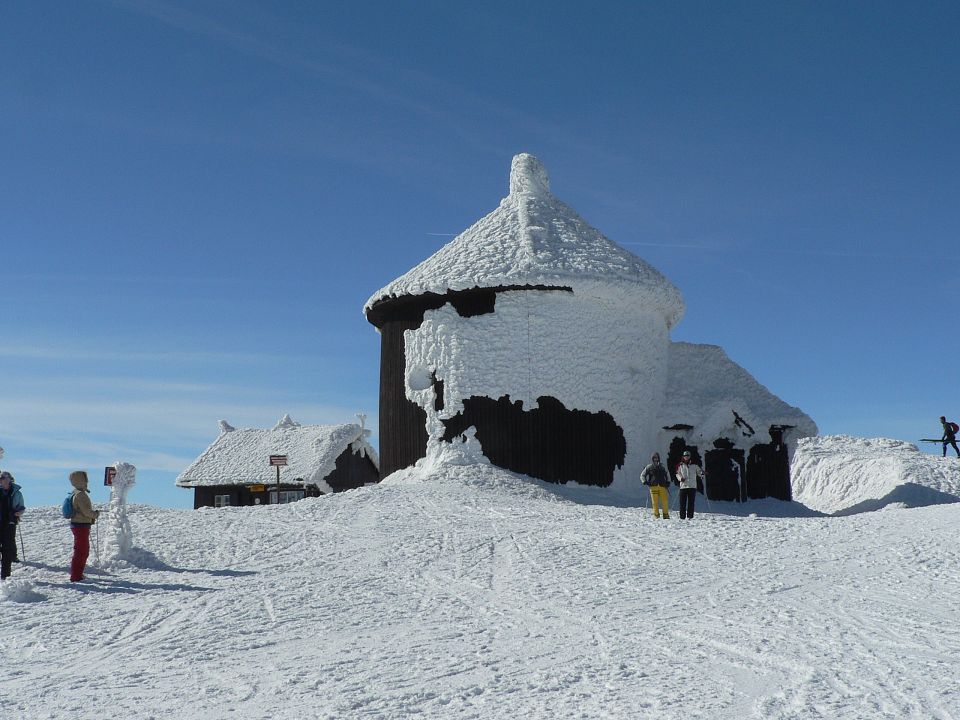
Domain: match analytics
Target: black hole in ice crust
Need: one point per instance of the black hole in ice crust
(549, 442)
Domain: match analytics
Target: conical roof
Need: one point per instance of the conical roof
(534, 239)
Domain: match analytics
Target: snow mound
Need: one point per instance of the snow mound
(842, 475)
(462, 463)
(12, 590)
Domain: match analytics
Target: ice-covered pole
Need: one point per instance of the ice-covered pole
(119, 539)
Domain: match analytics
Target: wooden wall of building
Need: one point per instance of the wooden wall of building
(734, 475)
(352, 471)
(549, 442)
(403, 424)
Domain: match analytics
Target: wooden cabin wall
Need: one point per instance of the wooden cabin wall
(241, 495)
(549, 442)
(726, 475)
(403, 424)
(403, 432)
(352, 471)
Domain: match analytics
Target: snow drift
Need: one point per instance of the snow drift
(840, 474)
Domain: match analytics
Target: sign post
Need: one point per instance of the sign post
(278, 461)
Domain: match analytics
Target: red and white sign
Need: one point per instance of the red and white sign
(109, 473)
(278, 460)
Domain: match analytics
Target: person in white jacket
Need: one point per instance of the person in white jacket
(687, 475)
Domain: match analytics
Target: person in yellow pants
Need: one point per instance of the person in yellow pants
(655, 477)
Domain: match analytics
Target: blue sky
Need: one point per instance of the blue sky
(196, 199)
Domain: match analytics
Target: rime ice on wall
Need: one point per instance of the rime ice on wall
(588, 353)
(119, 537)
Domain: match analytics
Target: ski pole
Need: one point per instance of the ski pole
(22, 550)
(98, 544)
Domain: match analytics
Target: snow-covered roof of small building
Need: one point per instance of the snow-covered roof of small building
(241, 457)
(705, 387)
(533, 239)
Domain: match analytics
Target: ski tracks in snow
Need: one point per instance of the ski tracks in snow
(444, 600)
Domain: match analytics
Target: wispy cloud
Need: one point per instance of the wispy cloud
(452, 106)
(70, 353)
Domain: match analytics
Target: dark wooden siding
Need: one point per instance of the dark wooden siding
(765, 472)
(403, 424)
(403, 433)
(726, 476)
(241, 495)
(768, 468)
(549, 442)
(352, 471)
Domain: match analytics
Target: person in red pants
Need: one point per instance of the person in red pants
(83, 517)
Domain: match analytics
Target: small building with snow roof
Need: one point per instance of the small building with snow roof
(553, 342)
(321, 459)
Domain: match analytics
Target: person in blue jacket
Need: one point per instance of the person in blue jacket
(11, 508)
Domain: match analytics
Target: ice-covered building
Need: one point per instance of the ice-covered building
(553, 342)
(321, 459)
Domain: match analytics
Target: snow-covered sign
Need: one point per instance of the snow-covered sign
(278, 460)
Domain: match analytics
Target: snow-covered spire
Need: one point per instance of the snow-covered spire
(528, 176)
(534, 239)
(286, 422)
(225, 427)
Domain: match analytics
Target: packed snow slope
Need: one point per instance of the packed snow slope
(843, 475)
(468, 592)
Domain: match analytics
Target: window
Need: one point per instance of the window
(286, 496)
(221, 501)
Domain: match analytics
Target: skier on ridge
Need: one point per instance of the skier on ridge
(949, 436)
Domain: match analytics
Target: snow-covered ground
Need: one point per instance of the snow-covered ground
(463, 591)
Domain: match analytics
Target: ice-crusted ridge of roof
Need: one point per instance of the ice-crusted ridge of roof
(534, 239)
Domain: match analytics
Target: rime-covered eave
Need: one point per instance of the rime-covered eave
(534, 239)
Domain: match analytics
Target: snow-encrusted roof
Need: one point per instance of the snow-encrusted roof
(705, 387)
(241, 457)
(533, 238)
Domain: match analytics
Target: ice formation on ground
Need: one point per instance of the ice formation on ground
(119, 536)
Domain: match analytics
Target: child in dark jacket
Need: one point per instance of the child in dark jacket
(11, 508)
